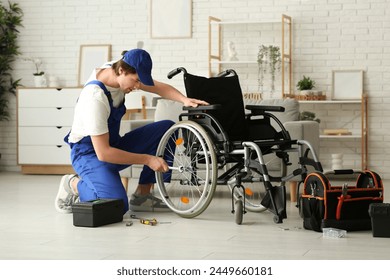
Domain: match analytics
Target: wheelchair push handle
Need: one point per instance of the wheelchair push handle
(227, 73)
(176, 71)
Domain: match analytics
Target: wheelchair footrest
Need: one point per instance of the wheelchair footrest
(275, 201)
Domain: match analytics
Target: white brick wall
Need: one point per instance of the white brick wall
(327, 35)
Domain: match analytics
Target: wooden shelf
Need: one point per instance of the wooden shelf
(354, 101)
(362, 136)
(234, 62)
(353, 136)
(215, 48)
(246, 22)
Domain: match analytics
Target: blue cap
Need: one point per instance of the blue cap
(141, 61)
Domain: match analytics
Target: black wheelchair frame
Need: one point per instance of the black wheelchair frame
(208, 138)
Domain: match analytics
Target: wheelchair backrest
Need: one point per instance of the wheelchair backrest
(225, 91)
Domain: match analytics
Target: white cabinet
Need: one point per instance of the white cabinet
(350, 115)
(45, 116)
(249, 35)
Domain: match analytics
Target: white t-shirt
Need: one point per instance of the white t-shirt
(93, 109)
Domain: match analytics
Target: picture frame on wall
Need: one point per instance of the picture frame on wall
(90, 57)
(170, 19)
(347, 84)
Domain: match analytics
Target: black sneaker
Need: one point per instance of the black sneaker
(147, 203)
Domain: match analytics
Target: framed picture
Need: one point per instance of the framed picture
(347, 84)
(170, 18)
(92, 56)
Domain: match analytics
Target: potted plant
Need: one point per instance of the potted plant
(308, 116)
(261, 63)
(268, 60)
(274, 64)
(306, 85)
(39, 75)
(10, 20)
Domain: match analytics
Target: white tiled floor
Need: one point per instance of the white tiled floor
(30, 228)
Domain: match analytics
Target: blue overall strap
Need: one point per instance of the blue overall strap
(106, 92)
(102, 86)
(116, 114)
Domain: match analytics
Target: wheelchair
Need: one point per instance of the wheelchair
(222, 144)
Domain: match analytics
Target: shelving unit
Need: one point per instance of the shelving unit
(45, 116)
(362, 135)
(215, 53)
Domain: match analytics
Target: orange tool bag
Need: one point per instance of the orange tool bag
(344, 207)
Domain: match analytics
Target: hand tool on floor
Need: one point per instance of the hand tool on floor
(149, 222)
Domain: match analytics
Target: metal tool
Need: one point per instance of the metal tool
(149, 222)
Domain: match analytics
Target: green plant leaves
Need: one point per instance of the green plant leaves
(10, 20)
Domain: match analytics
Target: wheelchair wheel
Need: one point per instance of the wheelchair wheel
(238, 211)
(190, 185)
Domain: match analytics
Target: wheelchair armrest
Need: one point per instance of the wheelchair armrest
(260, 109)
(202, 108)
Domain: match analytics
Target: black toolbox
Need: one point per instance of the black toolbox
(380, 219)
(98, 212)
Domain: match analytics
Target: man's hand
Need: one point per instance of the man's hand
(157, 164)
(192, 102)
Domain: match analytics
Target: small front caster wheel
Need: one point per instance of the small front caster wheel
(239, 211)
(278, 219)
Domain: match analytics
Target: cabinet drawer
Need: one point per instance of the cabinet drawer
(43, 135)
(39, 98)
(45, 116)
(44, 154)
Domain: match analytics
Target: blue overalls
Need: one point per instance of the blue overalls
(101, 180)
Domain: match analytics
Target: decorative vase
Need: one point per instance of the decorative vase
(40, 81)
(231, 51)
(306, 92)
(337, 161)
(54, 82)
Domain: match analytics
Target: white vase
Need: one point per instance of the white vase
(54, 82)
(337, 161)
(306, 92)
(40, 81)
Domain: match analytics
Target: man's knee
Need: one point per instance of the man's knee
(166, 124)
